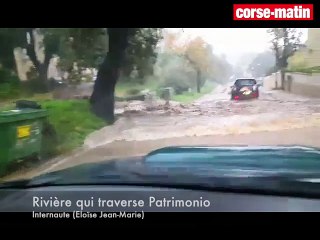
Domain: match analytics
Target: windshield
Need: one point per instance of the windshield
(73, 96)
(245, 82)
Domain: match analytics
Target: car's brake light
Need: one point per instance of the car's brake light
(236, 97)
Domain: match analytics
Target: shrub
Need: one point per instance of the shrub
(175, 72)
(9, 85)
(133, 91)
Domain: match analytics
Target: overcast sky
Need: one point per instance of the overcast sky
(234, 42)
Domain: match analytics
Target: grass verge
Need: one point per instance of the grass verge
(188, 97)
(72, 121)
(125, 89)
(305, 70)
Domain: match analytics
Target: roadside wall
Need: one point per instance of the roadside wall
(298, 83)
(303, 84)
(272, 81)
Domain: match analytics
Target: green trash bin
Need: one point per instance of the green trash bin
(20, 135)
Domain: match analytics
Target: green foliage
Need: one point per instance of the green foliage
(175, 71)
(52, 39)
(7, 76)
(188, 97)
(141, 52)
(10, 38)
(85, 46)
(88, 46)
(221, 70)
(305, 70)
(125, 88)
(179, 82)
(9, 90)
(315, 69)
(9, 84)
(199, 56)
(133, 91)
(285, 42)
(33, 86)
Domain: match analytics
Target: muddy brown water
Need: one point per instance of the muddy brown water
(123, 149)
(276, 118)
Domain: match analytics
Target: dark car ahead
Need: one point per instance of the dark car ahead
(244, 88)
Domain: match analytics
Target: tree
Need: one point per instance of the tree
(198, 54)
(285, 42)
(175, 71)
(221, 69)
(49, 45)
(141, 52)
(102, 99)
(120, 39)
(10, 38)
(104, 48)
(80, 45)
(29, 39)
(261, 64)
(82, 48)
(196, 51)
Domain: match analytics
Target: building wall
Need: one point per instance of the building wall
(303, 84)
(313, 47)
(313, 38)
(313, 58)
(310, 56)
(297, 83)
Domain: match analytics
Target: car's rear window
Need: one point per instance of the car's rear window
(244, 82)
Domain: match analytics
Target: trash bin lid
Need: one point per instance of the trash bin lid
(21, 114)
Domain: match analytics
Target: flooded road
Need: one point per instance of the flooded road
(213, 114)
(276, 118)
